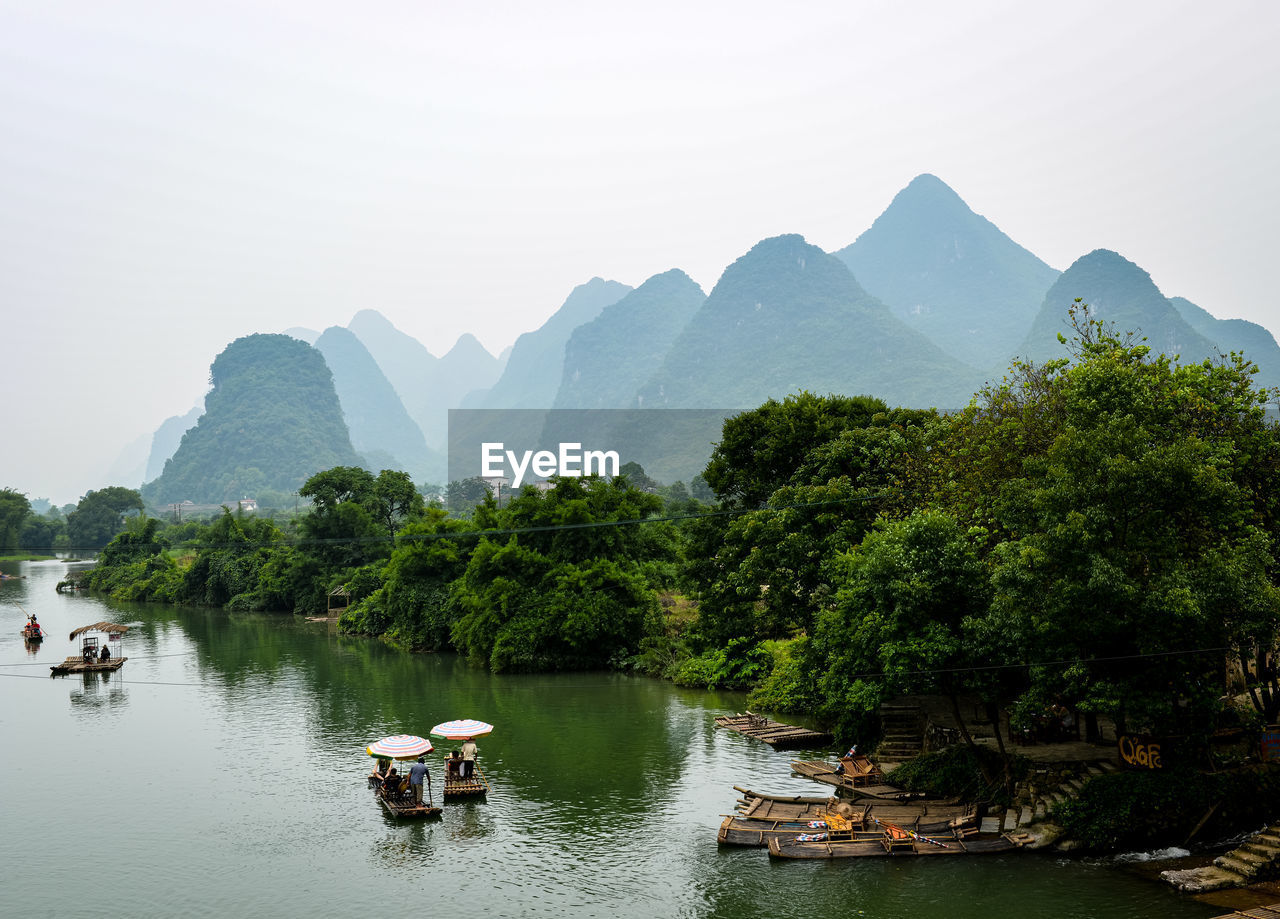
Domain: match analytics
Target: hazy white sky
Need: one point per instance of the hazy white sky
(176, 175)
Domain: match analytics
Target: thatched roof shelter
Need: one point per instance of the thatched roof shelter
(99, 627)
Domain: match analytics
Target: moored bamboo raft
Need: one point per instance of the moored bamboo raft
(827, 775)
(774, 733)
(1257, 912)
(879, 845)
(760, 818)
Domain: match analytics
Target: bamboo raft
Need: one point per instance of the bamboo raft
(774, 733)
(403, 805)
(472, 787)
(880, 845)
(80, 665)
(1257, 912)
(762, 817)
(854, 784)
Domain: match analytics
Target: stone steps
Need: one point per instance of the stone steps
(903, 732)
(1242, 867)
(1255, 859)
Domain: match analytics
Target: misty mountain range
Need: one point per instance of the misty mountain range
(921, 309)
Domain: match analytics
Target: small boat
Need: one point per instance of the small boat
(391, 788)
(400, 803)
(455, 786)
(94, 655)
(857, 785)
(473, 784)
(762, 817)
(32, 632)
(840, 838)
(878, 845)
(774, 733)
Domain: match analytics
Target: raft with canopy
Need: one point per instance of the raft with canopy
(95, 649)
(393, 791)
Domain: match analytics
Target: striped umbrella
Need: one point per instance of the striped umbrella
(461, 729)
(400, 746)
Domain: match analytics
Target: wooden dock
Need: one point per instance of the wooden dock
(826, 774)
(774, 733)
(1257, 912)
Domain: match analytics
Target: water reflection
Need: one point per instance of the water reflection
(405, 847)
(97, 692)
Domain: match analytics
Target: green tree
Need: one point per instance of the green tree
(564, 592)
(1131, 519)
(903, 619)
(100, 515)
(761, 449)
(14, 511)
(765, 572)
(394, 499)
(412, 606)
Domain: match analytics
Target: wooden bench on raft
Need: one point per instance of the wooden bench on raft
(896, 839)
(861, 771)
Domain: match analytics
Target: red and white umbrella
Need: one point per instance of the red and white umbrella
(461, 729)
(400, 746)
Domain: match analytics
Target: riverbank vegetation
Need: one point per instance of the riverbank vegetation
(1097, 534)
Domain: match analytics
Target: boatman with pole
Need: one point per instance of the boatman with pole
(416, 774)
(468, 758)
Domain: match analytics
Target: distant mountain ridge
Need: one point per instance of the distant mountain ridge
(922, 309)
(786, 317)
(375, 416)
(166, 439)
(533, 371)
(1257, 344)
(950, 273)
(428, 386)
(608, 359)
(1122, 295)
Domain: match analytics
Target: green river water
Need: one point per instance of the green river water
(222, 771)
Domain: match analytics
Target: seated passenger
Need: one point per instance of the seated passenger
(391, 782)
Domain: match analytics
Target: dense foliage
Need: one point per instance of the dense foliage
(1143, 809)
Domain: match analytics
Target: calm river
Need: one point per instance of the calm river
(222, 771)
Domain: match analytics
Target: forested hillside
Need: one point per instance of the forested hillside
(607, 359)
(1253, 340)
(270, 421)
(1121, 294)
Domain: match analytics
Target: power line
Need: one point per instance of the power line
(463, 534)
(1026, 665)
